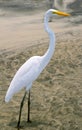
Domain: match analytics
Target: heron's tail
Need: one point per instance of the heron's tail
(9, 95)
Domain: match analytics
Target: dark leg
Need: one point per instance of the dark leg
(21, 106)
(28, 117)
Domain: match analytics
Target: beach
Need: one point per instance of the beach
(56, 96)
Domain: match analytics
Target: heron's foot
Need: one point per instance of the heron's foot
(29, 121)
(19, 127)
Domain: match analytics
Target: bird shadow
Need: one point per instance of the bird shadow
(25, 124)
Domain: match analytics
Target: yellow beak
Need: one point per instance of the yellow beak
(60, 13)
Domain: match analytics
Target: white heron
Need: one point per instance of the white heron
(32, 68)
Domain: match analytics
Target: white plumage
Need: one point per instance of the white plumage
(24, 77)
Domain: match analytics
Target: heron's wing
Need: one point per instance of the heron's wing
(26, 74)
(29, 66)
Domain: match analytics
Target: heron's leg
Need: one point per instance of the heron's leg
(21, 106)
(28, 117)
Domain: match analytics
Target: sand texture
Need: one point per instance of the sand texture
(56, 96)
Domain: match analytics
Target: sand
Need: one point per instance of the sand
(56, 96)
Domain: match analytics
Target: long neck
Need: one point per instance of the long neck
(47, 56)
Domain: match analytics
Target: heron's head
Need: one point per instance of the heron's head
(52, 12)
